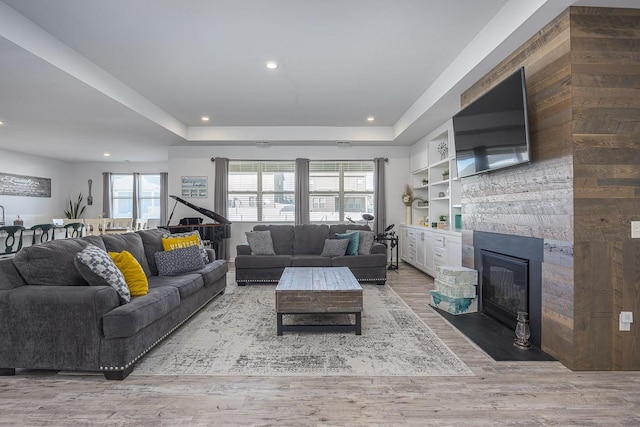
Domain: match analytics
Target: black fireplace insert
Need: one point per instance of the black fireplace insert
(505, 286)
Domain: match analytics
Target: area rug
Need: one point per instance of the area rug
(236, 335)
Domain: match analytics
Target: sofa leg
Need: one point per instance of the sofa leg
(241, 283)
(118, 375)
(382, 283)
(7, 372)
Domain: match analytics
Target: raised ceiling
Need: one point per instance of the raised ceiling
(83, 77)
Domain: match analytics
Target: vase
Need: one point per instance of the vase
(407, 219)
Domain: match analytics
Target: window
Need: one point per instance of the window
(339, 190)
(261, 191)
(148, 196)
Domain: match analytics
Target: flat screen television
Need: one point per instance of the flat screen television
(493, 131)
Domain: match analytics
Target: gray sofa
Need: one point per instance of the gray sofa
(50, 318)
(301, 246)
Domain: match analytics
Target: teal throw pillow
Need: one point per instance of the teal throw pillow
(354, 241)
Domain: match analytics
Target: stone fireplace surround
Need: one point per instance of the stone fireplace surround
(528, 248)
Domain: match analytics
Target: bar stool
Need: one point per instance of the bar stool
(13, 241)
(47, 233)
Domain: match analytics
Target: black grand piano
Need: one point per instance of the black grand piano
(214, 233)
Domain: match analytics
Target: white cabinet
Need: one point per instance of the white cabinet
(428, 253)
(421, 252)
(425, 247)
(408, 245)
(403, 234)
(447, 250)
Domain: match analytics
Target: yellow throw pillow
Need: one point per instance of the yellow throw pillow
(171, 243)
(132, 272)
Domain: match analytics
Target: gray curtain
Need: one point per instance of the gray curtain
(135, 210)
(107, 189)
(220, 200)
(379, 196)
(302, 191)
(164, 198)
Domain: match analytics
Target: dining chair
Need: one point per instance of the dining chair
(13, 239)
(73, 230)
(141, 224)
(47, 233)
(126, 223)
(94, 226)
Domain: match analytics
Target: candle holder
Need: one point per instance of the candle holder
(522, 331)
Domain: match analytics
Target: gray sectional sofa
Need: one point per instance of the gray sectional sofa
(302, 246)
(50, 318)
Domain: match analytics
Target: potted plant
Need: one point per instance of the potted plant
(445, 174)
(425, 181)
(76, 209)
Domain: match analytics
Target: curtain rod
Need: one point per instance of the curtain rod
(386, 160)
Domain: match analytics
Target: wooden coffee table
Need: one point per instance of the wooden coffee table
(318, 290)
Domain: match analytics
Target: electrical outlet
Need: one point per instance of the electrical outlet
(635, 229)
(625, 319)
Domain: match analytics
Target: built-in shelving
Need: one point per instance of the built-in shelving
(431, 157)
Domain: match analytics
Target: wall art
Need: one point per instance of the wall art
(23, 185)
(194, 186)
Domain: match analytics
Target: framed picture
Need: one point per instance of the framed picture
(22, 185)
(194, 186)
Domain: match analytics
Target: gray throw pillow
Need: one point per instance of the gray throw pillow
(366, 242)
(203, 250)
(335, 247)
(98, 269)
(260, 242)
(178, 261)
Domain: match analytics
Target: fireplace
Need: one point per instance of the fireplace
(505, 286)
(510, 273)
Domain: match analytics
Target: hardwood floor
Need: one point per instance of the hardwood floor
(500, 393)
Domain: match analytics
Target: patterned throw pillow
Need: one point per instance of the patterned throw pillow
(98, 269)
(334, 247)
(260, 242)
(184, 240)
(354, 241)
(132, 271)
(366, 242)
(177, 261)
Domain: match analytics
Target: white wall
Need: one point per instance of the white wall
(67, 181)
(83, 172)
(36, 210)
(196, 161)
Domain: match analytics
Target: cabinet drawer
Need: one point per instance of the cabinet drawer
(438, 241)
(439, 254)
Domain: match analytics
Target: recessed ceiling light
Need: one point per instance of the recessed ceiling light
(370, 118)
(272, 65)
(205, 118)
(106, 154)
(1, 123)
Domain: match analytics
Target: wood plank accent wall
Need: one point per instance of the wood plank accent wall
(583, 185)
(605, 73)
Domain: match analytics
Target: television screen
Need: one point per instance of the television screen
(493, 131)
